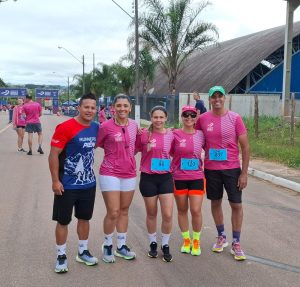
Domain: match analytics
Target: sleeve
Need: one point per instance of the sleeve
(172, 145)
(101, 137)
(240, 126)
(60, 137)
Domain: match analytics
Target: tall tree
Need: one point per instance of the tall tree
(2, 84)
(174, 33)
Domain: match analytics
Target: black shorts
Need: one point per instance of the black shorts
(33, 128)
(20, 127)
(189, 187)
(216, 180)
(155, 184)
(82, 199)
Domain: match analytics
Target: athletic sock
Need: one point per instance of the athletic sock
(165, 239)
(61, 249)
(236, 236)
(221, 230)
(82, 245)
(152, 237)
(108, 239)
(121, 239)
(185, 234)
(196, 235)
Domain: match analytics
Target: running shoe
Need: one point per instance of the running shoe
(125, 253)
(220, 244)
(86, 258)
(196, 249)
(29, 152)
(186, 246)
(237, 251)
(40, 150)
(21, 149)
(107, 254)
(153, 250)
(167, 257)
(61, 264)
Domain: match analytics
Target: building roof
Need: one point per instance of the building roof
(226, 63)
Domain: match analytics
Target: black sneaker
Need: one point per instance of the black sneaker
(167, 257)
(21, 149)
(153, 250)
(40, 150)
(30, 152)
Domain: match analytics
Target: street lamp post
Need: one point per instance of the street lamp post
(81, 62)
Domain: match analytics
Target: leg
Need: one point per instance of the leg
(40, 138)
(125, 201)
(30, 135)
(151, 210)
(83, 229)
(217, 212)
(61, 233)
(166, 205)
(182, 207)
(195, 208)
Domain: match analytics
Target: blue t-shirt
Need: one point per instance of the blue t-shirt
(200, 106)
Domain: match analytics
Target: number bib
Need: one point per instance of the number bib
(189, 164)
(218, 154)
(160, 164)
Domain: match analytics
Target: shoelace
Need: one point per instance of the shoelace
(237, 247)
(87, 253)
(196, 244)
(220, 240)
(61, 259)
(109, 249)
(126, 248)
(186, 242)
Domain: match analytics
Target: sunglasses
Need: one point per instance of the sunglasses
(192, 115)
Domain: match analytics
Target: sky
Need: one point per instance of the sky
(32, 30)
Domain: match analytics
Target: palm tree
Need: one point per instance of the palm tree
(173, 33)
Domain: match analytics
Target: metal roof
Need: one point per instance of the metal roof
(226, 63)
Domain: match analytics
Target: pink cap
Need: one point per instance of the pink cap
(189, 109)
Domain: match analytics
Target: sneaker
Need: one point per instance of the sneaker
(29, 152)
(153, 250)
(21, 149)
(125, 253)
(40, 150)
(61, 264)
(167, 257)
(221, 243)
(107, 254)
(196, 249)
(237, 251)
(186, 246)
(86, 258)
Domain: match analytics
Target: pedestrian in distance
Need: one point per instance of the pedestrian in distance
(200, 107)
(19, 123)
(102, 116)
(224, 132)
(188, 177)
(33, 112)
(117, 178)
(156, 182)
(73, 180)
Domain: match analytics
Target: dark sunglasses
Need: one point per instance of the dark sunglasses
(192, 115)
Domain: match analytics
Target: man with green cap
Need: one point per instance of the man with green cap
(224, 132)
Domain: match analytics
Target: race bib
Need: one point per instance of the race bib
(159, 164)
(189, 164)
(218, 154)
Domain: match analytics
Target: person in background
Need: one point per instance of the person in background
(117, 177)
(200, 107)
(33, 112)
(18, 121)
(73, 180)
(188, 177)
(224, 132)
(156, 183)
(102, 116)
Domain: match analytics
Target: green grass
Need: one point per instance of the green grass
(273, 142)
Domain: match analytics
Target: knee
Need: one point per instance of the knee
(113, 214)
(237, 207)
(182, 211)
(151, 216)
(195, 212)
(124, 211)
(167, 217)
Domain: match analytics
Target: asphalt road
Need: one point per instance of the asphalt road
(270, 234)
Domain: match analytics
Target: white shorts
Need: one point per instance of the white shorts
(112, 183)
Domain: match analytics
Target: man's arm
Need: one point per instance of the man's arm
(244, 144)
(53, 159)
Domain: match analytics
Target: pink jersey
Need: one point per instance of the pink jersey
(187, 146)
(221, 132)
(118, 143)
(18, 116)
(102, 116)
(157, 146)
(32, 111)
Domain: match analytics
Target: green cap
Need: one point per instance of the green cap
(216, 89)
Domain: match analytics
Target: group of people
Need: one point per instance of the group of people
(171, 166)
(26, 118)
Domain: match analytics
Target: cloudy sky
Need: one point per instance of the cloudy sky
(32, 30)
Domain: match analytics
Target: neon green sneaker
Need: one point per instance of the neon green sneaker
(196, 249)
(186, 246)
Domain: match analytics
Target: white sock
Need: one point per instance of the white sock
(152, 237)
(61, 249)
(165, 239)
(121, 239)
(82, 245)
(108, 239)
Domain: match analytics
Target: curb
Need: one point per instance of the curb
(274, 179)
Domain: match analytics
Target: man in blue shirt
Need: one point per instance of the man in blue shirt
(199, 104)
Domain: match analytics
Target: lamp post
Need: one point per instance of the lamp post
(81, 62)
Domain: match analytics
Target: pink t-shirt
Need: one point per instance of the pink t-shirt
(32, 111)
(159, 145)
(102, 116)
(187, 146)
(221, 132)
(18, 116)
(118, 143)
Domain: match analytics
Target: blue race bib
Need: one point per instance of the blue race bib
(218, 154)
(189, 164)
(159, 164)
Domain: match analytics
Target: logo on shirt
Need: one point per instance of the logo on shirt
(182, 143)
(210, 127)
(55, 141)
(88, 142)
(118, 137)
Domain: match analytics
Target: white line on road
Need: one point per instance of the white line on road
(4, 129)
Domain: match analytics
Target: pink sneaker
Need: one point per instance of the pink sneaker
(237, 251)
(221, 243)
